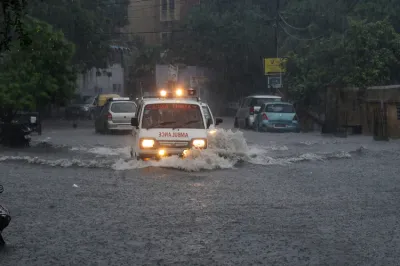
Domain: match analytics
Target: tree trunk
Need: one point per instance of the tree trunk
(364, 119)
(331, 121)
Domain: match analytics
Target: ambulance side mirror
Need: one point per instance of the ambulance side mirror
(218, 121)
(209, 122)
(134, 122)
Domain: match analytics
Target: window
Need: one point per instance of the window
(90, 100)
(165, 37)
(172, 115)
(164, 10)
(260, 101)
(164, 5)
(280, 108)
(123, 107)
(172, 9)
(168, 11)
(398, 111)
(207, 113)
(117, 88)
(139, 113)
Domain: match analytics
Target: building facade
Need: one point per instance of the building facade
(156, 20)
(96, 81)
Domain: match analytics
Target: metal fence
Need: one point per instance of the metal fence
(380, 125)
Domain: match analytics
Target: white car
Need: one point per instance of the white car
(167, 126)
(249, 108)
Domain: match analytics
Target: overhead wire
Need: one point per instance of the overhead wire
(298, 38)
(290, 26)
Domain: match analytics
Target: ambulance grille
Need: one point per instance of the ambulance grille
(174, 144)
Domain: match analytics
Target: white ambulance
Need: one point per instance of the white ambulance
(173, 123)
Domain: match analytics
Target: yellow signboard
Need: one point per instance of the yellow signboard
(274, 65)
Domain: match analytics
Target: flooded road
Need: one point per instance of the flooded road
(273, 199)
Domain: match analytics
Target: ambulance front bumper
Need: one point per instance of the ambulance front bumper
(162, 153)
(169, 148)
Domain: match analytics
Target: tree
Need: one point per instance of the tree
(367, 54)
(33, 75)
(90, 24)
(230, 37)
(11, 14)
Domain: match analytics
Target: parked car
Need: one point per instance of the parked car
(100, 100)
(80, 108)
(279, 116)
(116, 115)
(88, 108)
(250, 105)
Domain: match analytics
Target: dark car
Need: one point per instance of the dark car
(81, 108)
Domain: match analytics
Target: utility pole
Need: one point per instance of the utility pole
(276, 24)
(276, 27)
(277, 20)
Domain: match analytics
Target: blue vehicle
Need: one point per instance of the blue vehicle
(277, 117)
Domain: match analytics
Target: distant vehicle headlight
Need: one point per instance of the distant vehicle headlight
(147, 143)
(199, 143)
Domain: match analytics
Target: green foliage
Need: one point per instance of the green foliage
(229, 37)
(91, 24)
(372, 50)
(11, 14)
(366, 54)
(358, 46)
(38, 73)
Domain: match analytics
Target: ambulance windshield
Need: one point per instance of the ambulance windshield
(172, 115)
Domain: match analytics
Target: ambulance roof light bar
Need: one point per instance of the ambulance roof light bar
(179, 94)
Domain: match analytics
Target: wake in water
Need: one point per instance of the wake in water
(226, 149)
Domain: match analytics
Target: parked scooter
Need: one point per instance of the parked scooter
(5, 219)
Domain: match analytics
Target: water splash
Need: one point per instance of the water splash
(226, 149)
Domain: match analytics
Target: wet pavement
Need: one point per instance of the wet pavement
(274, 199)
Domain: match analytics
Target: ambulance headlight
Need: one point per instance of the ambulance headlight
(199, 143)
(147, 143)
(179, 92)
(163, 93)
(212, 131)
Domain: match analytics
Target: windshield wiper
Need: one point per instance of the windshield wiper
(161, 124)
(186, 123)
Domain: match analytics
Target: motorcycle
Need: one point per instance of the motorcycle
(15, 134)
(5, 219)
